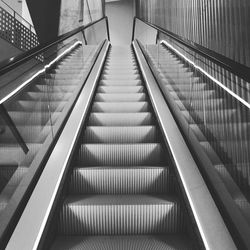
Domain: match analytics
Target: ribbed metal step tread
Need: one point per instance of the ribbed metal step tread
(120, 107)
(56, 88)
(120, 77)
(120, 71)
(12, 154)
(138, 97)
(131, 242)
(121, 180)
(12, 174)
(38, 118)
(43, 96)
(120, 89)
(37, 105)
(122, 119)
(119, 83)
(30, 133)
(138, 134)
(120, 154)
(120, 215)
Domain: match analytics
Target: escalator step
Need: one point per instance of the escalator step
(139, 134)
(120, 107)
(120, 89)
(120, 71)
(120, 154)
(131, 242)
(32, 118)
(37, 106)
(121, 180)
(56, 88)
(138, 97)
(120, 215)
(39, 96)
(122, 119)
(36, 134)
(12, 154)
(120, 77)
(120, 83)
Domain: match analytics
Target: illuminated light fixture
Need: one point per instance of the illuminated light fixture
(207, 74)
(38, 73)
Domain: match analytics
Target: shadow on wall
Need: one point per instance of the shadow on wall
(120, 14)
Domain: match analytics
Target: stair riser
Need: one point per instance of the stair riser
(120, 219)
(121, 181)
(120, 135)
(120, 155)
(120, 120)
(120, 107)
(140, 97)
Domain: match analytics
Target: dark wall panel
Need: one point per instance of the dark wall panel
(45, 15)
(220, 25)
(55, 17)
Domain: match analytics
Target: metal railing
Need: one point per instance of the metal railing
(7, 7)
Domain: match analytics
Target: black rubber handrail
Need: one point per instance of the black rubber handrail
(236, 68)
(14, 62)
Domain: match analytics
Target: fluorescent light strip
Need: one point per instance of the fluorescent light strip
(245, 103)
(39, 73)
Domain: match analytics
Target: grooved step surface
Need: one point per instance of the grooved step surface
(120, 89)
(120, 83)
(122, 119)
(120, 154)
(120, 215)
(140, 97)
(140, 134)
(117, 107)
(121, 180)
(137, 242)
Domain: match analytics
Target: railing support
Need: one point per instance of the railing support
(107, 27)
(4, 114)
(133, 32)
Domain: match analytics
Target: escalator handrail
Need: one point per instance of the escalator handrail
(12, 63)
(232, 66)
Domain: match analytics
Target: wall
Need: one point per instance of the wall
(220, 25)
(120, 14)
(52, 18)
(75, 13)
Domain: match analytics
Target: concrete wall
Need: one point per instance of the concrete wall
(120, 14)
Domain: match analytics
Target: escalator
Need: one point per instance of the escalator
(35, 111)
(219, 122)
(121, 192)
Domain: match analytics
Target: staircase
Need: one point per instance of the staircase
(36, 111)
(122, 192)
